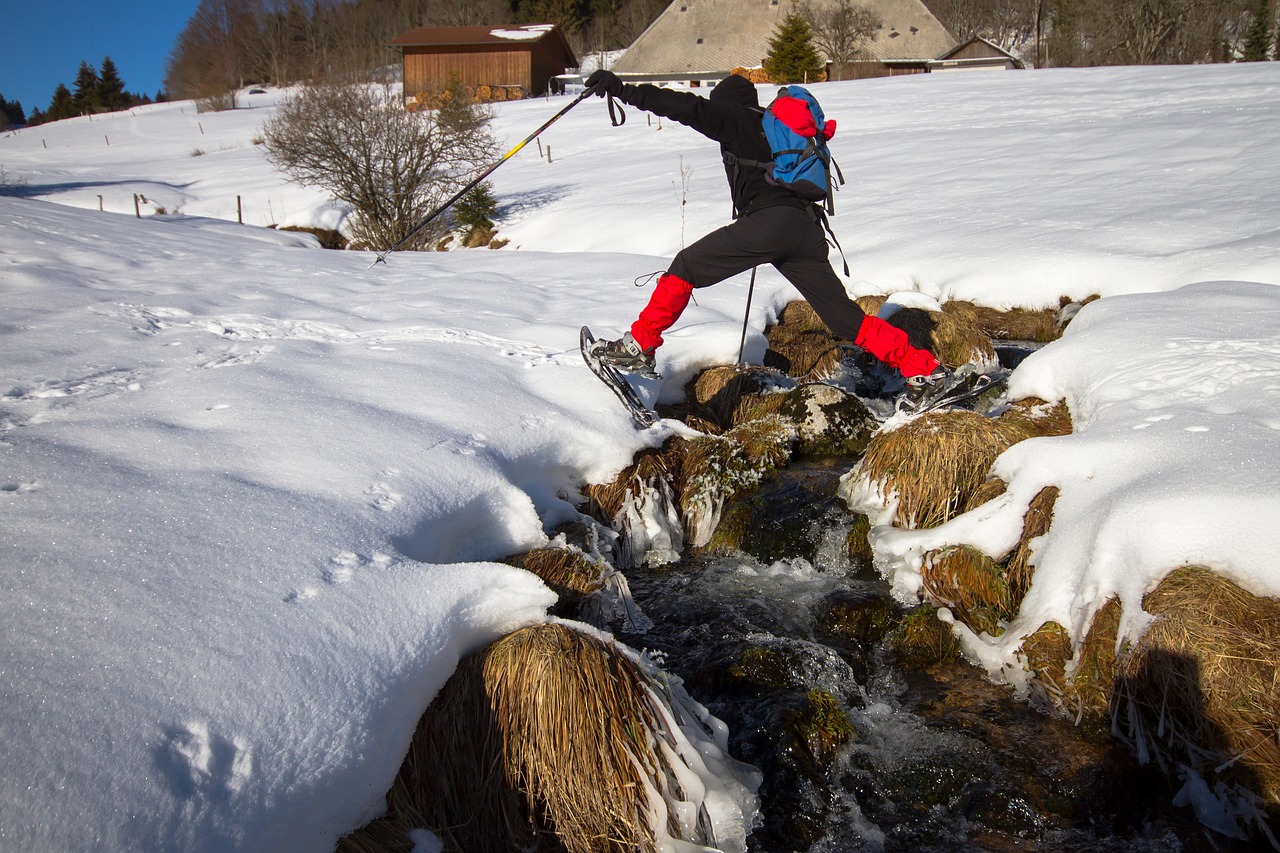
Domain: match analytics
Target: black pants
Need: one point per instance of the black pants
(789, 238)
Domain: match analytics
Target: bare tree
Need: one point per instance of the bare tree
(1142, 32)
(208, 61)
(840, 30)
(392, 166)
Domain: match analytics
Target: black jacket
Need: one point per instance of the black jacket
(732, 117)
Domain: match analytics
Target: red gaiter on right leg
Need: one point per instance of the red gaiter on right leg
(668, 302)
(889, 344)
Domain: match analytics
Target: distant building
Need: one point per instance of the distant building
(697, 41)
(977, 54)
(527, 58)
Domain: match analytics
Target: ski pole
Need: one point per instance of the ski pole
(382, 256)
(742, 345)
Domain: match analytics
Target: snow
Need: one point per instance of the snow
(252, 490)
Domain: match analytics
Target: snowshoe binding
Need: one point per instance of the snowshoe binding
(608, 360)
(943, 389)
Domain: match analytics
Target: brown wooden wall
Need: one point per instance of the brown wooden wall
(428, 69)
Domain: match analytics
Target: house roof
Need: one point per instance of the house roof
(693, 36)
(494, 36)
(994, 49)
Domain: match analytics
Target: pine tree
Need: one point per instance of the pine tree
(63, 104)
(476, 209)
(1257, 45)
(792, 57)
(111, 93)
(86, 98)
(13, 115)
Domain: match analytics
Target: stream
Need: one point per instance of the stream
(861, 749)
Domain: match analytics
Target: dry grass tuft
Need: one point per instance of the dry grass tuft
(649, 466)
(800, 315)
(935, 463)
(1206, 675)
(547, 731)
(574, 717)
(1014, 324)
(957, 339)
(452, 780)
(1047, 652)
(562, 570)
(990, 489)
(972, 585)
(725, 394)
(871, 305)
(1095, 671)
(1035, 523)
(803, 353)
(1034, 418)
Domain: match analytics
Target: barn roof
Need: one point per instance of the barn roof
(468, 36)
(720, 35)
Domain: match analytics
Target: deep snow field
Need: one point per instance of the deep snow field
(250, 489)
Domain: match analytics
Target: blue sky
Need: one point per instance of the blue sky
(46, 40)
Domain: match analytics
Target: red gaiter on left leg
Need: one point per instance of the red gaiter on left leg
(889, 344)
(668, 302)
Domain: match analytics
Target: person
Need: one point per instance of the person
(771, 225)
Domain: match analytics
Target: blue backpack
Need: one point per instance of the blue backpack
(797, 133)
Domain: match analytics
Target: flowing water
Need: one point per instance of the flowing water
(937, 758)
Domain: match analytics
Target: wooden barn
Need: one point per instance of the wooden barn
(503, 57)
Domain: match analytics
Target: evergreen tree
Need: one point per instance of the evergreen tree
(86, 98)
(12, 113)
(63, 104)
(111, 93)
(1257, 45)
(792, 57)
(477, 208)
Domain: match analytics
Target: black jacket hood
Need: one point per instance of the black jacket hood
(735, 89)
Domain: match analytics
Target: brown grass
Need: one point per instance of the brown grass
(665, 463)
(1201, 686)
(1207, 675)
(957, 339)
(971, 584)
(935, 463)
(1035, 523)
(800, 316)
(1015, 324)
(1034, 418)
(546, 731)
(803, 353)
(560, 569)
(727, 395)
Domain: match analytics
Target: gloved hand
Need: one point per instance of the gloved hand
(602, 83)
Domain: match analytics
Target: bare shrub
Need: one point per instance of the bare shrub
(392, 166)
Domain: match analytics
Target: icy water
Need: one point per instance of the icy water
(937, 757)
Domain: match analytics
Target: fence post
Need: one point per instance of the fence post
(239, 211)
(137, 209)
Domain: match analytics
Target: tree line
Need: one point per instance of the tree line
(228, 44)
(98, 89)
(1059, 33)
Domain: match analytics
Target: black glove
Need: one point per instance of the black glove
(602, 83)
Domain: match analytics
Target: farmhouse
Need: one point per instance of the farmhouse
(704, 40)
(977, 54)
(510, 58)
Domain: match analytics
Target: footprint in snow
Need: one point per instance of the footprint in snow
(198, 762)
